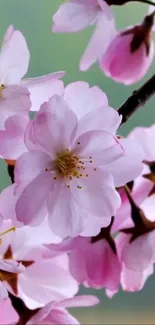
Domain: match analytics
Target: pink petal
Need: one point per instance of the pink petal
(8, 314)
(65, 217)
(133, 280)
(59, 317)
(15, 100)
(102, 146)
(130, 164)
(30, 165)
(144, 135)
(74, 16)
(99, 41)
(102, 118)
(108, 268)
(11, 266)
(33, 211)
(45, 281)
(12, 138)
(79, 301)
(119, 63)
(8, 210)
(148, 207)
(51, 122)
(14, 56)
(139, 254)
(3, 292)
(44, 87)
(83, 99)
(97, 195)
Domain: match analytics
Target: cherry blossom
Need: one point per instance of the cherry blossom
(78, 14)
(71, 142)
(14, 61)
(130, 53)
(87, 252)
(69, 166)
(41, 280)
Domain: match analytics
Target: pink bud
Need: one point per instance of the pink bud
(130, 53)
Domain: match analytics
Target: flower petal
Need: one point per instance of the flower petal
(12, 138)
(79, 301)
(30, 165)
(65, 217)
(44, 87)
(102, 146)
(97, 195)
(57, 123)
(99, 41)
(14, 57)
(74, 16)
(130, 164)
(102, 118)
(30, 208)
(83, 99)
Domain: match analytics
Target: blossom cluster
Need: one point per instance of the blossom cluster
(80, 209)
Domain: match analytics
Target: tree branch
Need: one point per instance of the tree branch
(137, 99)
(24, 313)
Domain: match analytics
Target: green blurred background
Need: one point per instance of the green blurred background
(52, 52)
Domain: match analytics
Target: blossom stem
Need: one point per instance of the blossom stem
(137, 99)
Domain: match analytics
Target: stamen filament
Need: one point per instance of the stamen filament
(7, 231)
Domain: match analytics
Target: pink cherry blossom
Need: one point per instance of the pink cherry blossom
(78, 14)
(55, 312)
(87, 252)
(62, 190)
(14, 61)
(41, 280)
(129, 54)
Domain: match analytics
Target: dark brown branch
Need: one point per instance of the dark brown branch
(11, 172)
(123, 2)
(137, 99)
(24, 313)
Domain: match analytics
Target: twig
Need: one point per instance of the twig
(137, 99)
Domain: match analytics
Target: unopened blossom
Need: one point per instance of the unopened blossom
(75, 15)
(14, 61)
(41, 280)
(56, 311)
(130, 53)
(84, 253)
(71, 170)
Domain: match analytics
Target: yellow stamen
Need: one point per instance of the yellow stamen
(7, 231)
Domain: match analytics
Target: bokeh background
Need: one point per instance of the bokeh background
(51, 52)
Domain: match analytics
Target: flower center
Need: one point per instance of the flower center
(66, 164)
